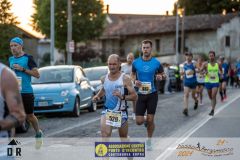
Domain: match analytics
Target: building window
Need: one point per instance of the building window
(227, 41)
(157, 41)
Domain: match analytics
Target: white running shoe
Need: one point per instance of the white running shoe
(133, 116)
(167, 93)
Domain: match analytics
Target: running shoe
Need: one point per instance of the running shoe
(133, 116)
(39, 140)
(225, 97)
(149, 145)
(211, 113)
(167, 93)
(222, 99)
(196, 105)
(185, 112)
(145, 123)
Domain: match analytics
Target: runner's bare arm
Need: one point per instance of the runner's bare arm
(13, 99)
(33, 72)
(182, 69)
(101, 92)
(203, 69)
(132, 96)
(197, 68)
(220, 68)
(133, 76)
(134, 79)
(160, 74)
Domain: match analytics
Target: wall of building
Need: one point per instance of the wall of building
(201, 42)
(196, 42)
(232, 30)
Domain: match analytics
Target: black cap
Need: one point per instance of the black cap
(188, 54)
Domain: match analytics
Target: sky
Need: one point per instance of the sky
(157, 7)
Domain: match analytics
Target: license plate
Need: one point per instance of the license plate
(43, 103)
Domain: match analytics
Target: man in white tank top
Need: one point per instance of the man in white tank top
(127, 69)
(114, 113)
(12, 114)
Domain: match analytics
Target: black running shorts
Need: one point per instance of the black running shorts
(147, 103)
(28, 102)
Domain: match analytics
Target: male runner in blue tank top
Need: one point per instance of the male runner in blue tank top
(145, 71)
(237, 71)
(115, 112)
(190, 81)
(223, 79)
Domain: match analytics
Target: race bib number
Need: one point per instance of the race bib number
(189, 73)
(145, 88)
(114, 118)
(200, 76)
(212, 76)
(19, 79)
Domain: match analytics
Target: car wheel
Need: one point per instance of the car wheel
(23, 128)
(92, 107)
(76, 109)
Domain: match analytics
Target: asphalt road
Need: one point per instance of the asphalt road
(169, 120)
(220, 132)
(172, 127)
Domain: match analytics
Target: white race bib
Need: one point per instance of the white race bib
(114, 118)
(212, 76)
(145, 88)
(189, 73)
(200, 78)
(19, 79)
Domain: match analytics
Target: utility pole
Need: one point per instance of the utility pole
(52, 56)
(69, 32)
(176, 46)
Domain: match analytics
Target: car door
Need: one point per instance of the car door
(84, 88)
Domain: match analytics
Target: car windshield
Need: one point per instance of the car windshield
(54, 76)
(94, 74)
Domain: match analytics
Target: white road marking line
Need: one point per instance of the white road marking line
(74, 126)
(185, 136)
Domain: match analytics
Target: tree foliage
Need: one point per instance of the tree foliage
(6, 17)
(87, 17)
(8, 29)
(193, 7)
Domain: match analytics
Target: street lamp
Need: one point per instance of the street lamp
(69, 33)
(179, 12)
(52, 56)
(177, 23)
(182, 15)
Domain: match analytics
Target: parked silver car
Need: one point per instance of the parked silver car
(94, 74)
